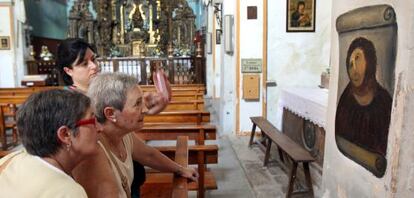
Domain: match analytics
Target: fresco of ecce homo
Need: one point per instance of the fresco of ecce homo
(365, 88)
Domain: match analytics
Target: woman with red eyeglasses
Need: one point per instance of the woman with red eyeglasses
(58, 131)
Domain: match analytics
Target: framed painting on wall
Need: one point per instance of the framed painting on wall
(300, 15)
(4, 42)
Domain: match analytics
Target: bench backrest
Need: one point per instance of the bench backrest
(19, 94)
(210, 153)
(185, 105)
(200, 133)
(181, 116)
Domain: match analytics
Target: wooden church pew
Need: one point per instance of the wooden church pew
(179, 93)
(177, 96)
(178, 187)
(200, 133)
(185, 105)
(200, 154)
(179, 116)
(197, 154)
(7, 123)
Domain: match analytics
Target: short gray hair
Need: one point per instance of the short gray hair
(110, 90)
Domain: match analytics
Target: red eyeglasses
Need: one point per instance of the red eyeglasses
(86, 122)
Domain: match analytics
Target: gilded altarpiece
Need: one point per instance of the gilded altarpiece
(135, 27)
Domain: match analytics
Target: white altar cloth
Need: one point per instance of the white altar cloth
(308, 103)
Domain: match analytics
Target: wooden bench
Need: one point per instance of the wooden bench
(197, 154)
(19, 94)
(210, 153)
(177, 96)
(178, 101)
(179, 187)
(179, 89)
(180, 116)
(199, 133)
(286, 145)
(185, 105)
(7, 122)
(200, 153)
(183, 88)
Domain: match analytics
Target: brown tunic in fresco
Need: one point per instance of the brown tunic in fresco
(366, 126)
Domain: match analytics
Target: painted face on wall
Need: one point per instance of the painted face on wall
(357, 67)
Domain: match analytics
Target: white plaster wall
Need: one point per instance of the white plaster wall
(251, 46)
(403, 135)
(7, 66)
(21, 50)
(295, 59)
(228, 80)
(12, 67)
(343, 177)
(209, 57)
(218, 64)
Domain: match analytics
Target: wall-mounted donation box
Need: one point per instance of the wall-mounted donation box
(251, 89)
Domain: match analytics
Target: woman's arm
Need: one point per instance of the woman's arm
(153, 158)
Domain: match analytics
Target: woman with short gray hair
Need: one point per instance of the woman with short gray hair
(120, 108)
(58, 131)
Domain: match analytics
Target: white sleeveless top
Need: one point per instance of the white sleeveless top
(126, 167)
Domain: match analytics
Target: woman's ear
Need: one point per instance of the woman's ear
(63, 134)
(68, 71)
(109, 113)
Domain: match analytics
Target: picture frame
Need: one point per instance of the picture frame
(4, 42)
(300, 15)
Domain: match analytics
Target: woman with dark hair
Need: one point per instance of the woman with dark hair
(364, 110)
(58, 131)
(76, 61)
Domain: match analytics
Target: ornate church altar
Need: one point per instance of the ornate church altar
(140, 28)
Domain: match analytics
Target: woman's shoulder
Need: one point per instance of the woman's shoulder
(66, 188)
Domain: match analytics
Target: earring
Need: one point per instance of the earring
(114, 120)
(68, 146)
